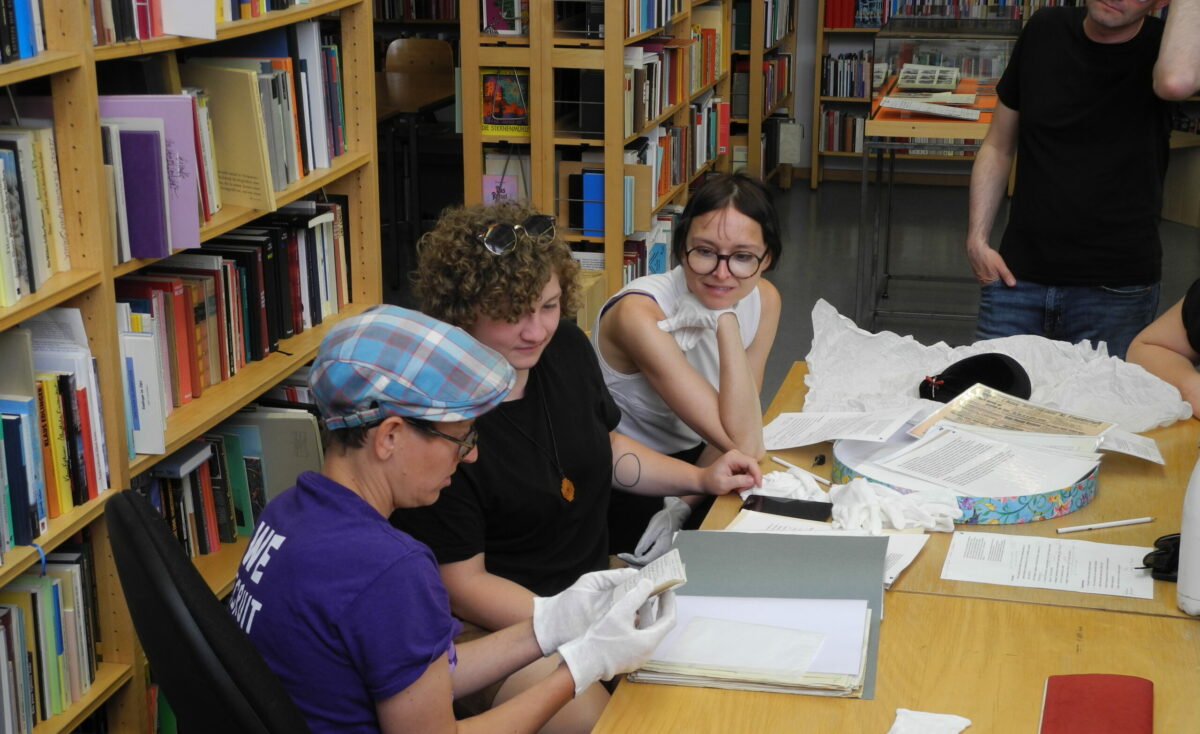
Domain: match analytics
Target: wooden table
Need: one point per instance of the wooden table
(401, 98)
(978, 650)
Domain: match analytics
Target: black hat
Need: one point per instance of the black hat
(997, 371)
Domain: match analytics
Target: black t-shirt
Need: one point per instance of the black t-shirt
(1091, 157)
(1191, 315)
(508, 504)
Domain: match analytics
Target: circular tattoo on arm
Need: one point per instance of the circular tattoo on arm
(627, 470)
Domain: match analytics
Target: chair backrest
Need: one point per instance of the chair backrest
(210, 672)
(419, 54)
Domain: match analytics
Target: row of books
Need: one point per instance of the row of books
(136, 20)
(777, 19)
(446, 10)
(33, 239)
(52, 452)
(840, 131)
(213, 490)
(846, 75)
(778, 81)
(951, 9)
(853, 13)
(196, 319)
(708, 46)
(21, 33)
(48, 639)
(649, 252)
(653, 75)
(709, 134)
(645, 15)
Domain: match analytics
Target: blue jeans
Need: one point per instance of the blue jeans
(1068, 313)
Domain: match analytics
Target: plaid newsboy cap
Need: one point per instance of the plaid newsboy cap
(393, 361)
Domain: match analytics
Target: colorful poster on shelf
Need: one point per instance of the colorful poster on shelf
(505, 101)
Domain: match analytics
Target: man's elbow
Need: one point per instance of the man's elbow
(1176, 85)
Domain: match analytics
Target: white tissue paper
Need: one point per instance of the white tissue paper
(851, 369)
(866, 505)
(922, 722)
(788, 485)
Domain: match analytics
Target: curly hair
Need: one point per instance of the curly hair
(458, 279)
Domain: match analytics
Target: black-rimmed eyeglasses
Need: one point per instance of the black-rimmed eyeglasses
(466, 444)
(705, 260)
(500, 238)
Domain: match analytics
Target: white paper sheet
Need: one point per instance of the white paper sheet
(1125, 442)
(1048, 563)
(790, 430)
(839, 620)
(903, 546)
(976, 466)
(1081, 446)
(737, 644)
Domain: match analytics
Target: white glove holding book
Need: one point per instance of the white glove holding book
(659, 533)
(615, 643)
(690, 320)
(568, 614)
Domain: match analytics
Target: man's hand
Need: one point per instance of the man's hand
(988, 265)
(731, 472)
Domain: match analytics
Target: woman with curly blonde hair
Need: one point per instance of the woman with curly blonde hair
(529, 516)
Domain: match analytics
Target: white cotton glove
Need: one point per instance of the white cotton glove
(788, 485)
(615, 643)
(923, 722)
(660, 531)
(856, 506)
(568, 614)
(690, 320)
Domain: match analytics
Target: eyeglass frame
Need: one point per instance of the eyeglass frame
(517, 231)
(687, 254)
(465, 444)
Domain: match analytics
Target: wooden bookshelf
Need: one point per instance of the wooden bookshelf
(70, 67)
(759, 50)
(543, 51)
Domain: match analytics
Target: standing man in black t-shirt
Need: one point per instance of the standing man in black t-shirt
(1080, 257)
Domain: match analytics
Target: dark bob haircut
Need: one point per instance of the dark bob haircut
(746, 195)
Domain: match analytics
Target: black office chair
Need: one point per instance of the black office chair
(211, 674)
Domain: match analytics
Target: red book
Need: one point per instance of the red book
(723, 127)
(1097, 703)
(183, 322)
(89, 449)
(203, 476)
(156, 27)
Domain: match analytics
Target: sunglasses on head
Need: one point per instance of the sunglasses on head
(501, 238)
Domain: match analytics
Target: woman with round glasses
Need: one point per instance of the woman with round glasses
(529, 516)
(683, 352)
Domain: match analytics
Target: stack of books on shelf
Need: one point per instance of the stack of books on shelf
(48, 639)
(841, 131)
(649, 252)
(777, 81)
(33, 240)
(653, 73)
(853, 13)
(646, 15)
(21, 33)
(776, 21)
(945, 9)
(402, 10)
(846, 75)
(709, 130)
(138, 20)
(708, 49)
(196, 319)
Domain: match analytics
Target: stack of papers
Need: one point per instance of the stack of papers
(773, 612)
(815, 646)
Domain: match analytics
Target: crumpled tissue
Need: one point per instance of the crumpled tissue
(789, 485)
(922, 722)
(866, 505)
(847, 370)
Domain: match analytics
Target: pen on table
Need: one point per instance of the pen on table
(789, 465)
(1112, 524)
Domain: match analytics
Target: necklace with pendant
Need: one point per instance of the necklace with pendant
(565, 487)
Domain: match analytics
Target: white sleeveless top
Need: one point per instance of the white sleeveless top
(644, 415)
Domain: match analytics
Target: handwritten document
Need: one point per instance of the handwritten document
(1048, 563)
(790, 430)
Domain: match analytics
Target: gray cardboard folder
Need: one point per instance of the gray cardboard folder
(776, 565)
